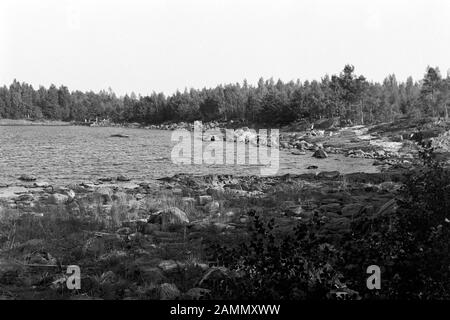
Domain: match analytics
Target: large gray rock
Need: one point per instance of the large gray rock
(58, 198)
(169, 216)
(214, 275)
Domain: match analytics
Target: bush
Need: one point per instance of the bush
(271, 266)
(411, 245)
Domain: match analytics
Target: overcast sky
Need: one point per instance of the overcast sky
(164, 45)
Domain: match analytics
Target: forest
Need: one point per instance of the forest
(349, 96)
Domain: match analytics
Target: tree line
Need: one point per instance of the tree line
(346, 95)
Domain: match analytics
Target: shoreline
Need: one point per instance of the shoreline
(24, 122)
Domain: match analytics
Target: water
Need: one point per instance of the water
(63, 155)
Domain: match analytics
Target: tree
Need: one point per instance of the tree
(431, 90)
(210, 108)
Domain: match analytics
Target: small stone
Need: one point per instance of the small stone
(320, 154)
(41, 184)
(197, 294)
(243, 219)
(123, 178)
(188, 200)
(329, 174)
(298, 152)
(26, 177)
(168, 265)
(212, 207)
(204, 199)
(124, 231)
(105, 179)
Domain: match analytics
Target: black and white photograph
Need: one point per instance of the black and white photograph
(247, 153)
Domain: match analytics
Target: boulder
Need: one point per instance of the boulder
(214, 275)
(58, 198)
(169, 216)
(320, 154)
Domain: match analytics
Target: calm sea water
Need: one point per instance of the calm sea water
(63, 155)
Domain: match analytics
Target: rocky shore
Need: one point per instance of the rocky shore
(151, 240)
(148, 240)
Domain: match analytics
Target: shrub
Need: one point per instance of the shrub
(412, 245)
(297, 265)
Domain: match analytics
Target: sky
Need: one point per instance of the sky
(165, 45)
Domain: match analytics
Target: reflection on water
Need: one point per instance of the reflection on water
(63, 155)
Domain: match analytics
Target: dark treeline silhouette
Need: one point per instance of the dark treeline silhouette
(347, 96)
